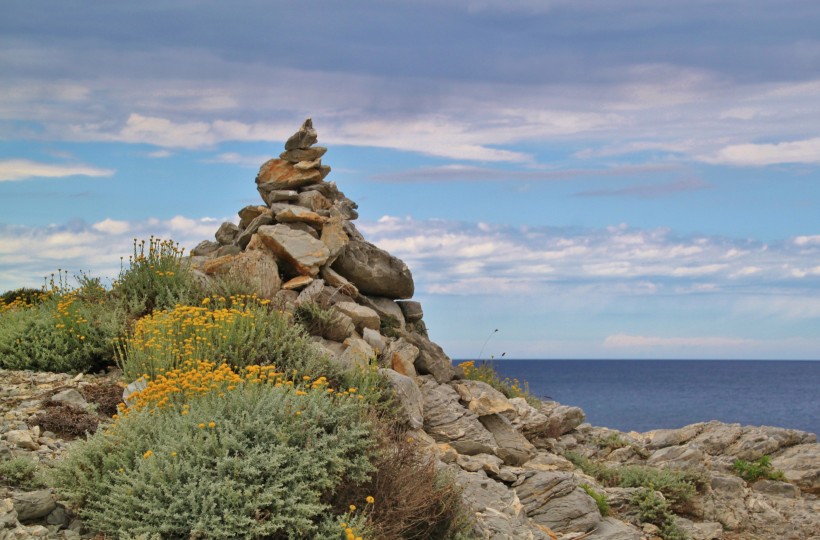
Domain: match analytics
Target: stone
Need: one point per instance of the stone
(612, 529)
(70, 396)
(313, 200)
(401, 355)
(410, 399)
(555, 500)
(374, 271)
(431, 359)
(304, 138)
(335, 280)
(375, 340)
(21, 438)
(244, 239)
(34, 504)
(258, 270)
(249, 213)
(388, 310)
(339, 328)
(303, 154)
(562, 418)
(204, 248)
(305, 165)
(299, 251)
(411, 310)
(363, 317)
(801, 465)
(227, 233)
(481, 398)
(357, 353)
(300, 214)
(513, 448)
(297, 283)
(334, 236)
(278, 174)
(447, 421)
(282, 195)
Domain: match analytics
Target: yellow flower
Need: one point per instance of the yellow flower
(370, 499)
(148, 454)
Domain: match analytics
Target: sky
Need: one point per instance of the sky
(592, 178)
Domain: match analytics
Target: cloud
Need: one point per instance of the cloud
(648, 342)
(12, 170)
(803, 151)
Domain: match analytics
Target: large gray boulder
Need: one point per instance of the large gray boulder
(409, 396)
(374, 271)
(302, 253)
(447, 421)
(555, 499)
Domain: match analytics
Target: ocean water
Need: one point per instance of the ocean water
(642, 395)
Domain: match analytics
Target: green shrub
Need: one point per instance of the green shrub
(755, 470)
(239, 331)
(257, 461)
(156, 278)
(69, 330)
(656, 510)
(511, 388)
(20, 472)
(678, 486)
(600, 499)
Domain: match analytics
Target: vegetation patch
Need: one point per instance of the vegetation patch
(751, 471)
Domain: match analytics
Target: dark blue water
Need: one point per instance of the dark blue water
(642, 395)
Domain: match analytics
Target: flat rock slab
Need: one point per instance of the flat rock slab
(374, 271)
(278, 174)
(296, 249)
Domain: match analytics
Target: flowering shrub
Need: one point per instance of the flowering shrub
(156, 278)
(257, 460)
(64, 329)
(238, 330)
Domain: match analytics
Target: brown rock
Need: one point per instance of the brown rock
(299, 251)
(278, 174)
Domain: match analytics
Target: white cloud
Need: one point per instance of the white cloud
(803, 151)
(22, 169)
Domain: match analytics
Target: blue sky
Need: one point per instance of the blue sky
(596, 179)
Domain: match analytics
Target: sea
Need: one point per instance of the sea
(641, 395)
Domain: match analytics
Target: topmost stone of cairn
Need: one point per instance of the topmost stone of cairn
(304, 138)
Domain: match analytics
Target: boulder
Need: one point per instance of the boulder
(363, 317)
(302, 253)
(304, 138)
(409, 396)
(400, 355)
(34, 504)
(431, 359)
(513, 448)
(278, 174)
(481, 398)
(411, 310)
(299, 214)
(555, 500)
(303, 154)
(374, 271)
(227, 233)
(265, 218)
(447, 421)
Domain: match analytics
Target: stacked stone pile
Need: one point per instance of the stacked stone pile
(302, 246)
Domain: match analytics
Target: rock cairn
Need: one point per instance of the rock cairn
(506, 454)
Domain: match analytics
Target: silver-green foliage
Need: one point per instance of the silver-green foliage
(261, 471)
